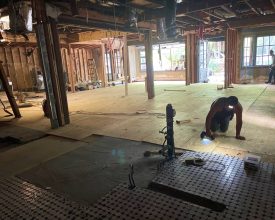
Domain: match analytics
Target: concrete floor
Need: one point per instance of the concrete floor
(89, 172)
(44, 155)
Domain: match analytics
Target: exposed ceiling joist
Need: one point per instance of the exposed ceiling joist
(273, 3)
(248, 22)
(159, 2)
(229, 10)
(252, 8)
(196, 18)
(184, 7)
(79, 22)
(214, 15)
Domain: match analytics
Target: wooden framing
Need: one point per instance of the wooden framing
(149, 65)
(191, 58)
(231, 57)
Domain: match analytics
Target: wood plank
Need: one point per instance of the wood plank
(84, 52)
(77, 70)
(10, 63)
(9, 93)
(81, 65)
(23, 64)
(71, 61)
(149, 64)
(103, 73)
(18, 69)
(125, 64)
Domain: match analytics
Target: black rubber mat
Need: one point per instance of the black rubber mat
(222, 180)
(21, 200)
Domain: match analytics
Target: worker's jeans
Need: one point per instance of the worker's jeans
(220, 124)
(271, 73)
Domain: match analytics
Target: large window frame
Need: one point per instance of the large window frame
(166, 57)
(255, 52)
(247, 57)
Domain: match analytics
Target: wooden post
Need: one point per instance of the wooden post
(15, 72)
(125, 63)
(60, 72)
(105, 81)
(9, 93)
(72, 67)
(22, 68)
(46, 75)
(51, 61)
(53, 72)
(187, 57)
(149, 64)
(191, 56)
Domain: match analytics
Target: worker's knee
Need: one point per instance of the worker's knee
(223, 129)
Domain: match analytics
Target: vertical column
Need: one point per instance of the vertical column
(46, 74)
(60, 72)
(191, 56)
(188, 57)
(9, 93)
(231, 57)
(104, 75)
(125, 63)
(50, 58)
(71, 68)
(149, 64)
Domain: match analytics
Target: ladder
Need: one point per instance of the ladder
(93, 74)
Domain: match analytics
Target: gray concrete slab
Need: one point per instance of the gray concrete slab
(29, 155)
(89, 172)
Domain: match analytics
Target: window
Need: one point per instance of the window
(142, 61)
(108, 66)
(263, 46)
(166, 57)
(203, 55)
(247, 51)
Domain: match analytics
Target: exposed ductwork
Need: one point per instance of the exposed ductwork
(161, 28)
(20, 15)
(132, 18)
(170, 18)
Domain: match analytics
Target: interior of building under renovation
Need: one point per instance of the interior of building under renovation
(137, 109)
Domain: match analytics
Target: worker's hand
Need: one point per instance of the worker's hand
(239, 137)
(208, 133)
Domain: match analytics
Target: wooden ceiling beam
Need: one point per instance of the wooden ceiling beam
(187, 8)
(159, 2)
(82, 22)
(184, 7)
(251, 7)
(214, 15)
(255, 21)
(113, 10)
(196, 18)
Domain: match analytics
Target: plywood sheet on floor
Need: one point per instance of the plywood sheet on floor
(191, 104)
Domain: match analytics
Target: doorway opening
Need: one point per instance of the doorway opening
(211, 61)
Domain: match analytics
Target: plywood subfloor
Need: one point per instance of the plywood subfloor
(108, 112)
